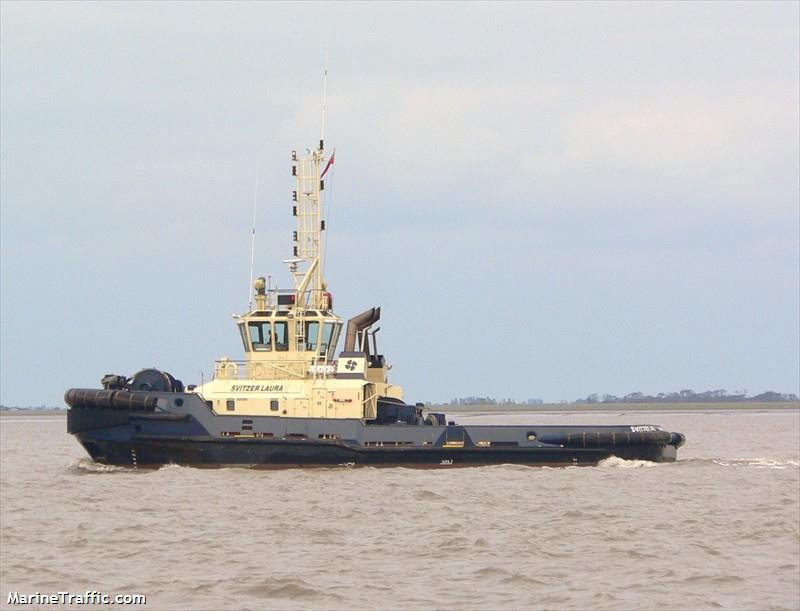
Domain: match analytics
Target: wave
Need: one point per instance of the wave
(615, 462)
(86, 466)
(172, 467)
(429, 495)
(292, 589)
(507, 577)
(758, 462)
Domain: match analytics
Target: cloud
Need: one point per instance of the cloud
(526, 146)
(582, 168)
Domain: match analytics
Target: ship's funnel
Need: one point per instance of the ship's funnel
(357, 324)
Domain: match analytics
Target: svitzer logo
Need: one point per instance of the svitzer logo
(350, 365)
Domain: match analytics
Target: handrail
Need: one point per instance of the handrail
(372, 399)
(227, 369)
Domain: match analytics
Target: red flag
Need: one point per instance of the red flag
(330, 163)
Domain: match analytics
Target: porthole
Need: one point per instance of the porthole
(273, 405)
(230, 404)
(179, 402)
(531, 435)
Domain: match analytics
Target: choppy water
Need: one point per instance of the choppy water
(718, 529)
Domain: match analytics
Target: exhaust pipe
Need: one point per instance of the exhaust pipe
(357, 324)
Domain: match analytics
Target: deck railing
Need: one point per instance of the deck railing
(226, 369)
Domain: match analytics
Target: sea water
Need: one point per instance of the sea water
(720, 528)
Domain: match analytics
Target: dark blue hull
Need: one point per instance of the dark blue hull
(211, 452)
(142, 436)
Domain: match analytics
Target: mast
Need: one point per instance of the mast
(306, 266)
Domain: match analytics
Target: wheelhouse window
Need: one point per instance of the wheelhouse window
(312, 335)
(243, 333)
(330, 334)
(261, 335)
(281, 336)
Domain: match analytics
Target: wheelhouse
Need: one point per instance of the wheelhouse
(307, 334)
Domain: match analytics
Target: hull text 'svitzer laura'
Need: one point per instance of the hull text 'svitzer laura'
(293, 402)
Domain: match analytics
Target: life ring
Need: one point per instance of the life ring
(231, 370)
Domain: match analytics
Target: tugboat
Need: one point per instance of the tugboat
(292, 401)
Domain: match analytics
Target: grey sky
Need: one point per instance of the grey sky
(547, 200)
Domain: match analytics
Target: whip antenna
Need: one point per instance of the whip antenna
(252, 247)
(325, 90)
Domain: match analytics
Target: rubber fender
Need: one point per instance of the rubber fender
(607, 439)
(677, 439)
(110, 399)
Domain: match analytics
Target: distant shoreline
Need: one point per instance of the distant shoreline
(16, 413)
(620, 407)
